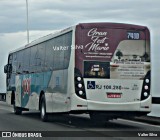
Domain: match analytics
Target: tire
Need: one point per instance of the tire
(98, 118)
(44, 116)
(17, 110)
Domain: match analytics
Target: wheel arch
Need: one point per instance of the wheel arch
(40, 97)
(12, 97)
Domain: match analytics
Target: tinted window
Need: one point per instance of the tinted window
(14, 63)
(26, 60)
(68, 42)
(58, 58)
(10, 59)
(49, 55)
(33, 59)
(19, 65)
(41, 57)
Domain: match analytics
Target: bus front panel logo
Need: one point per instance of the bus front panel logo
(91, 84)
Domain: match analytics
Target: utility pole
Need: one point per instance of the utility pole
(27, 21)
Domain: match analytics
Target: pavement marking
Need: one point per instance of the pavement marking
(67, 125)
(142, 123)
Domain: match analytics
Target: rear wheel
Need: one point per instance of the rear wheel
(97, 118)
(44, 116)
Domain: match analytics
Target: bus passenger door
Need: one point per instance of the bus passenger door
(8, 77)
(9, 69)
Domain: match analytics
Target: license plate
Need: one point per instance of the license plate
(114, 95)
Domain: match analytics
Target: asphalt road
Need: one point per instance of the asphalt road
(76, 125)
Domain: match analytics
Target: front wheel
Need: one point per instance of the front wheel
(44, 116)
(17, 110)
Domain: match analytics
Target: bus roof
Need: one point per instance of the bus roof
(111, 25)
(82, 26)
(44, 38)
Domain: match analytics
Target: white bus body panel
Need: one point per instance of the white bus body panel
(145, 103)
(97, 98)
(130, 106)
(129, 90)
(78, 103)
(33, 102)
(61, 102)
(49, 102)
(8, 97)
(18, 92)
(90, 105)
(129, 95)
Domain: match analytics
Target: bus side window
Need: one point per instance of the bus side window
(19, 65)
(9, 68)
(61, 57)
(26, 60)
(41, 57)
(49, 55)
(33, 58)
(10, 59)
(68, 42)
(14, 63)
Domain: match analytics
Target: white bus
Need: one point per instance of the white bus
(102, 69)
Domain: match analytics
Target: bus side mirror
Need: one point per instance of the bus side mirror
(7, 68)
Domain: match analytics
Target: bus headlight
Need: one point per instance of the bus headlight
(79, 79)
(147, 81)
(80, 92)
(80, 85)
(146, 87)
(145, 94)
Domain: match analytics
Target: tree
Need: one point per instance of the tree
(145, 57)
(119, 54)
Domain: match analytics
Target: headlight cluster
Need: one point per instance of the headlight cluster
(79, 85)
(146, 87)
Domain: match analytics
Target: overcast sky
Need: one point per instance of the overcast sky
(45, 16)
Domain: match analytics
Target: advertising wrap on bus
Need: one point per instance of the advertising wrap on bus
(114, 61)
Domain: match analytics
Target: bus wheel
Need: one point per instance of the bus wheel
(98, 118)
(44, 116)
(17, 110)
